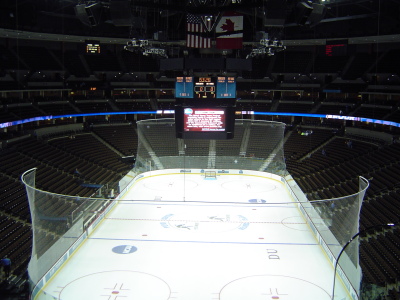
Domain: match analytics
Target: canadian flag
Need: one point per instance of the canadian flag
(229, 31)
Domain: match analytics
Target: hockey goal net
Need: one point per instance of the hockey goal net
(210, 175)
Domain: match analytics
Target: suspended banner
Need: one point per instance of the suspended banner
(196, 32)
(229, 31)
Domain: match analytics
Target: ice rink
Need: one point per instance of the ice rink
(183, 237)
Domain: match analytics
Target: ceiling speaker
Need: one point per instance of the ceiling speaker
(303, 12)
(121, 13)
(89, 15)
(317, 14)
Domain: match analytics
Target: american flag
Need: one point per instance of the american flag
(195, 29)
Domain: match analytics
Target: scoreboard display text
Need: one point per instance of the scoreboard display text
(184, 87)
(211, 123)
(226, 87)
(205, 87)
(336, 48)
(203, 119)
(92, 47)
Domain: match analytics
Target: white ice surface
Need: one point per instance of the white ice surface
(187, 250)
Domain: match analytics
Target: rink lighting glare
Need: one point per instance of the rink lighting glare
(160, 112)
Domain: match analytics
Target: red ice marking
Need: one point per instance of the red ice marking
(275, 297)
(115, 292)
(261, 238)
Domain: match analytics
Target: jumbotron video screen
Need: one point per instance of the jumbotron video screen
(205, 107)
(205, 123)
(203, 119)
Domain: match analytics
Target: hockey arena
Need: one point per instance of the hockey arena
(189, 233)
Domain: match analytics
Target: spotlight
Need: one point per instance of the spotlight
(267, 47)
(144, 47)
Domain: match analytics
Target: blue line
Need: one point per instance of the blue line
(204, 242)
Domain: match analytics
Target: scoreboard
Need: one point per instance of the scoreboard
(336, 48)
(226, 87)
(205, 123)
(205, 87)
(205, 107)
(92, 47)
(184, 87)
(197, 119)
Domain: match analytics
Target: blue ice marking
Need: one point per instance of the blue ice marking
(257, 201)
(244, 224)
(124, 249)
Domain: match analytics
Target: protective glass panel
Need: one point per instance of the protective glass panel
(382, 271)
(257, 145)
(60, 222)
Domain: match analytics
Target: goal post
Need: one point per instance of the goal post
(210, 175)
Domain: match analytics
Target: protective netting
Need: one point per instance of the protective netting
(335, 222)
(257, 145)
(60, 222)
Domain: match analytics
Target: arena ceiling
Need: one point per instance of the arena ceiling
(126, 19)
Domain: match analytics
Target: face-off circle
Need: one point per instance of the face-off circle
(173, 185)
(296, 223)
(116, 285)
(244, 186)
(274, 287)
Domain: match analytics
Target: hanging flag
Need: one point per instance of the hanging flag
(196, 32)
(229, 31)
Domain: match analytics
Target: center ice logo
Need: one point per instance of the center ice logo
(205, 223)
